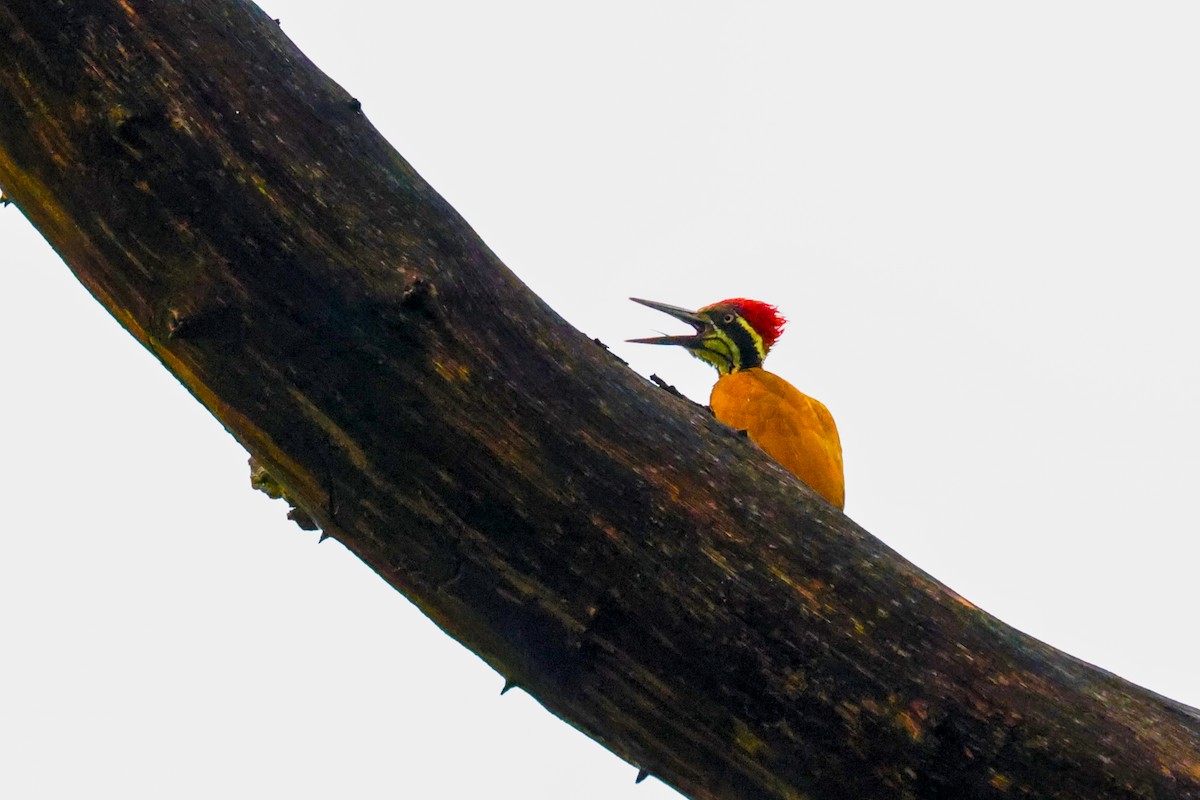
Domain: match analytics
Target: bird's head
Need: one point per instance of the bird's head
(730, 335)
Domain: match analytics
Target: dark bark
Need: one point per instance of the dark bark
(640, 569)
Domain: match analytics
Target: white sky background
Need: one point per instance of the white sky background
(982, 223)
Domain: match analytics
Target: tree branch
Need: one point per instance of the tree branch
(643, 571)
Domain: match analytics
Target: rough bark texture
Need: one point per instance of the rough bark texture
(642, 570)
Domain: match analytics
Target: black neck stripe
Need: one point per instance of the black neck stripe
(743, 340)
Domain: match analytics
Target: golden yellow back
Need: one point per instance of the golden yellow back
(793, 428)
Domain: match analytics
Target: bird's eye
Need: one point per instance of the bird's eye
(728, 318)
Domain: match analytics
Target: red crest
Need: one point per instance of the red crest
(763, 317)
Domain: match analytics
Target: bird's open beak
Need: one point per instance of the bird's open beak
(690, 317)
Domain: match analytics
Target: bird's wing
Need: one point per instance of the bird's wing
(793, 428)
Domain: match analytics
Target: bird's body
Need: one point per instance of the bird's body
(734, 336)
(794, 429)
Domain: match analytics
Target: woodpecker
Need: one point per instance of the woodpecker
(734, 336)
